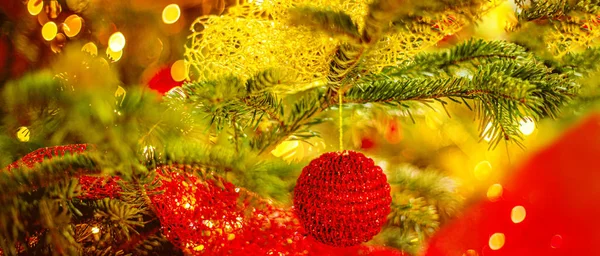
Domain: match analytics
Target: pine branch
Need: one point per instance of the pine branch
(505, 88)
(331, 22)
(23, 179)
(430, 185)
(473, 52)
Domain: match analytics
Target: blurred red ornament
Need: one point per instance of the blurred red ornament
(342, 198)
(367, 143)
(162, 81)
(92, 187)
(393, 132)
(549, 207)
(213, 217)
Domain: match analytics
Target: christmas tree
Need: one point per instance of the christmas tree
(274, 127)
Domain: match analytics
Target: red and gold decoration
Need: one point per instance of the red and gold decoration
(91, 187)
(548, 207)
(163, 80)
(342, 198)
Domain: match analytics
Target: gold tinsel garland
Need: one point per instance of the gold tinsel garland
(256, 35)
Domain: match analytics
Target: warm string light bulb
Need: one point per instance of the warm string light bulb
(171, 14)
(34, 7)
(72, 25)
(517, 214)
(494, 192)
(90, 48)
(482, 170)
(23, 134)
(116, 42)
(95, 230)
(49, 31)
(496, 241)
(527, 126)
(178, 71)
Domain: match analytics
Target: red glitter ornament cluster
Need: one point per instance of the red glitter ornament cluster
(197, 216)
(342, 198)
(92, 187)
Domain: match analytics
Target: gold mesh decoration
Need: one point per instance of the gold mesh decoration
(573, 35)
(254, 36)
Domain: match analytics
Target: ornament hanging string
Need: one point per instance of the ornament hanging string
(341, 124)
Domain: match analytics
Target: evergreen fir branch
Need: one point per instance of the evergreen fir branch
(23, 179)
(536, 9)
(581, 64)
(431, 185)
(504, 92)
(56, 221)
(377, 21)
(121, 218)
(401, 239)
(335, 23)
(474, 52)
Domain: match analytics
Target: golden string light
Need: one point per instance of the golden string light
(34, 7)
(527, 126)
(114, 56)
(482, 170)
(49, 31)
(517, 214)
(23, 134)
(90, 48)
(494, 192)
(72, 25)
(171, 14)
(178, 71)
(116, 42)
(496, 241)
(95, 230)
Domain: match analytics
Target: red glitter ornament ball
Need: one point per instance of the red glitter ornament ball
(342, 198)
(92, 187)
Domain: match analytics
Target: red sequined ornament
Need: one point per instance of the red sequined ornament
(200, 217)
(92, 187)
(342, 198)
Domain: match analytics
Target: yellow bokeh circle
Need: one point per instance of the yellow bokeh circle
(171, 14)
(49, 31)
(116, 42)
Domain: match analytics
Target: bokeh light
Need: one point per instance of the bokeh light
(72, 25)
(171, 14)
(90, 48)
(482, 170)
(49, 31)
(34, 7)
(518, 213)
(95, 230)
(556, 241)
(116, 42)
(178, 71)
(114, 56)
(23, 134)
(488, 134)
(494, 192)
(527, 126)
(496, 241)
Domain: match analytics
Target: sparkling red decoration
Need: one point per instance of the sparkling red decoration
(162, 81)
(342, 198)
(557, 189)
(199, 217)
(92, 187)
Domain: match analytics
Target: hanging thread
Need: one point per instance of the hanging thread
(341, 124)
